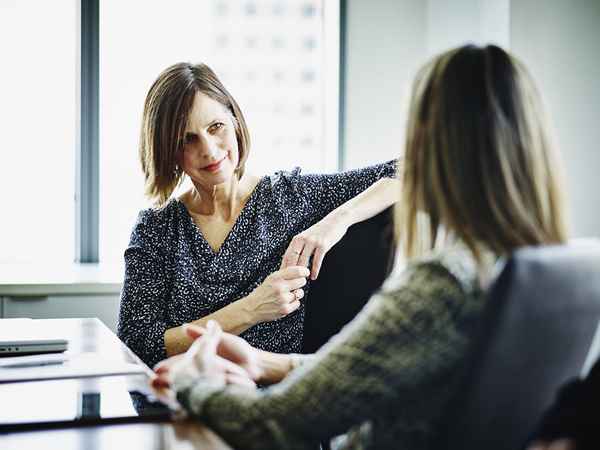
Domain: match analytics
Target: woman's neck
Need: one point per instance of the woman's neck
(224, 200)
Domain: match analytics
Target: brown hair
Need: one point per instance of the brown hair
(479, 163)
(165, 116)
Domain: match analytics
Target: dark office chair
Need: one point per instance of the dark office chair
(538, 326)
(352, 270)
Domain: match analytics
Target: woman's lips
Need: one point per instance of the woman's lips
(213, 167)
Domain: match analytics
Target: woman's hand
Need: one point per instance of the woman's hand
(315, 242)
(213, 354)
(278, 296)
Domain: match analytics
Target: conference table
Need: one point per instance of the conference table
(99, 396)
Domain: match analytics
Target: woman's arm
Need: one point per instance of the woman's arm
(317, 240)
(379, 196)
(276, 297)
(146, 286)
(400, 341)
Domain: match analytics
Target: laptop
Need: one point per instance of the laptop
(28, 337)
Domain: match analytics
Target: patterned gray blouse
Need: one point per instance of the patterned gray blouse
(386, 377)
(173, 276)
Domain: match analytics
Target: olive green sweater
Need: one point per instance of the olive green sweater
(384, 380)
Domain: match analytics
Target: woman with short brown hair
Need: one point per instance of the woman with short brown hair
(480, 180)
(235, 247)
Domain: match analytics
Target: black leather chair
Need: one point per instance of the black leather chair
(352, 270)
(538, 326)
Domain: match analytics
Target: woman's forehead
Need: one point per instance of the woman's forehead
(204, 110)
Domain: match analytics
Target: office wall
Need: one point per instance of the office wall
(388, 40)
(560, 43)
(385, 45)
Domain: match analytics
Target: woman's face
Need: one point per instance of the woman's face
(210, 151)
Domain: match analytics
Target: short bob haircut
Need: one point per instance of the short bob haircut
(164, 120)
(479, 163)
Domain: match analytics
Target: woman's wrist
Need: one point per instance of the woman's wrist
(341, 216)
(274, 367)
(247, 311)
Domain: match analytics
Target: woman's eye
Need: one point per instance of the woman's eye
(189, 139)
(216, 126)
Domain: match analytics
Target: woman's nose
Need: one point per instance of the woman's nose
(211, 149)
(207, 148)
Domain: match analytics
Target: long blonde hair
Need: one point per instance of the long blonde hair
(479, 162)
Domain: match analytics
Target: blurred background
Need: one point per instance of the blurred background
(323, 85)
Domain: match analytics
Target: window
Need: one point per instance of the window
(38, 117)
(279, 58)
(271, 55)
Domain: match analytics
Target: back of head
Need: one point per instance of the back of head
(479, 164)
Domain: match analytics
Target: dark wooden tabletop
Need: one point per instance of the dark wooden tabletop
(91, 335)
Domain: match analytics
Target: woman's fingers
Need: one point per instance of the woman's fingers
(307, 251)
(316, 262)
(194, 331)
(227, 366)
(293, 252)
(210, 340)
(293, 306)
(238, 380)
(160, 381)
(293, 272)
(296, 283)
(167, 364)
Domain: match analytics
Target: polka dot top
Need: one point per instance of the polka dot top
(173, 276)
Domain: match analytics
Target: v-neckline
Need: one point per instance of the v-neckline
(215, 253)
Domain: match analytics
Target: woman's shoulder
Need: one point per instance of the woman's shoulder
(157, 220)
(451, 271)
(157, 215)
(281, 186)
(284, 178)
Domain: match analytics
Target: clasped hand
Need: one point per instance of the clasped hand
(220, 356)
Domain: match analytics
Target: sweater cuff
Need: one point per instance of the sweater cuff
(193, 391)
(298, 359)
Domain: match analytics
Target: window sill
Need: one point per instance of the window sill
(36, 279)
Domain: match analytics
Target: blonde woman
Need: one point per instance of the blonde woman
(480, 180)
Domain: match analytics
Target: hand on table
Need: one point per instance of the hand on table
(314, 242)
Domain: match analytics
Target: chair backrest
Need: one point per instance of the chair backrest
(351, 272)
(541, 316)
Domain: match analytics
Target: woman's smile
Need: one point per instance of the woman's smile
(215, 166)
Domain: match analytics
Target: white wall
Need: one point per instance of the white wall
(385, 45)
(388, 40)
(560, 43)
(453, 23)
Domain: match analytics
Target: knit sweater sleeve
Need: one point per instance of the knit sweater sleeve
(405, 336)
